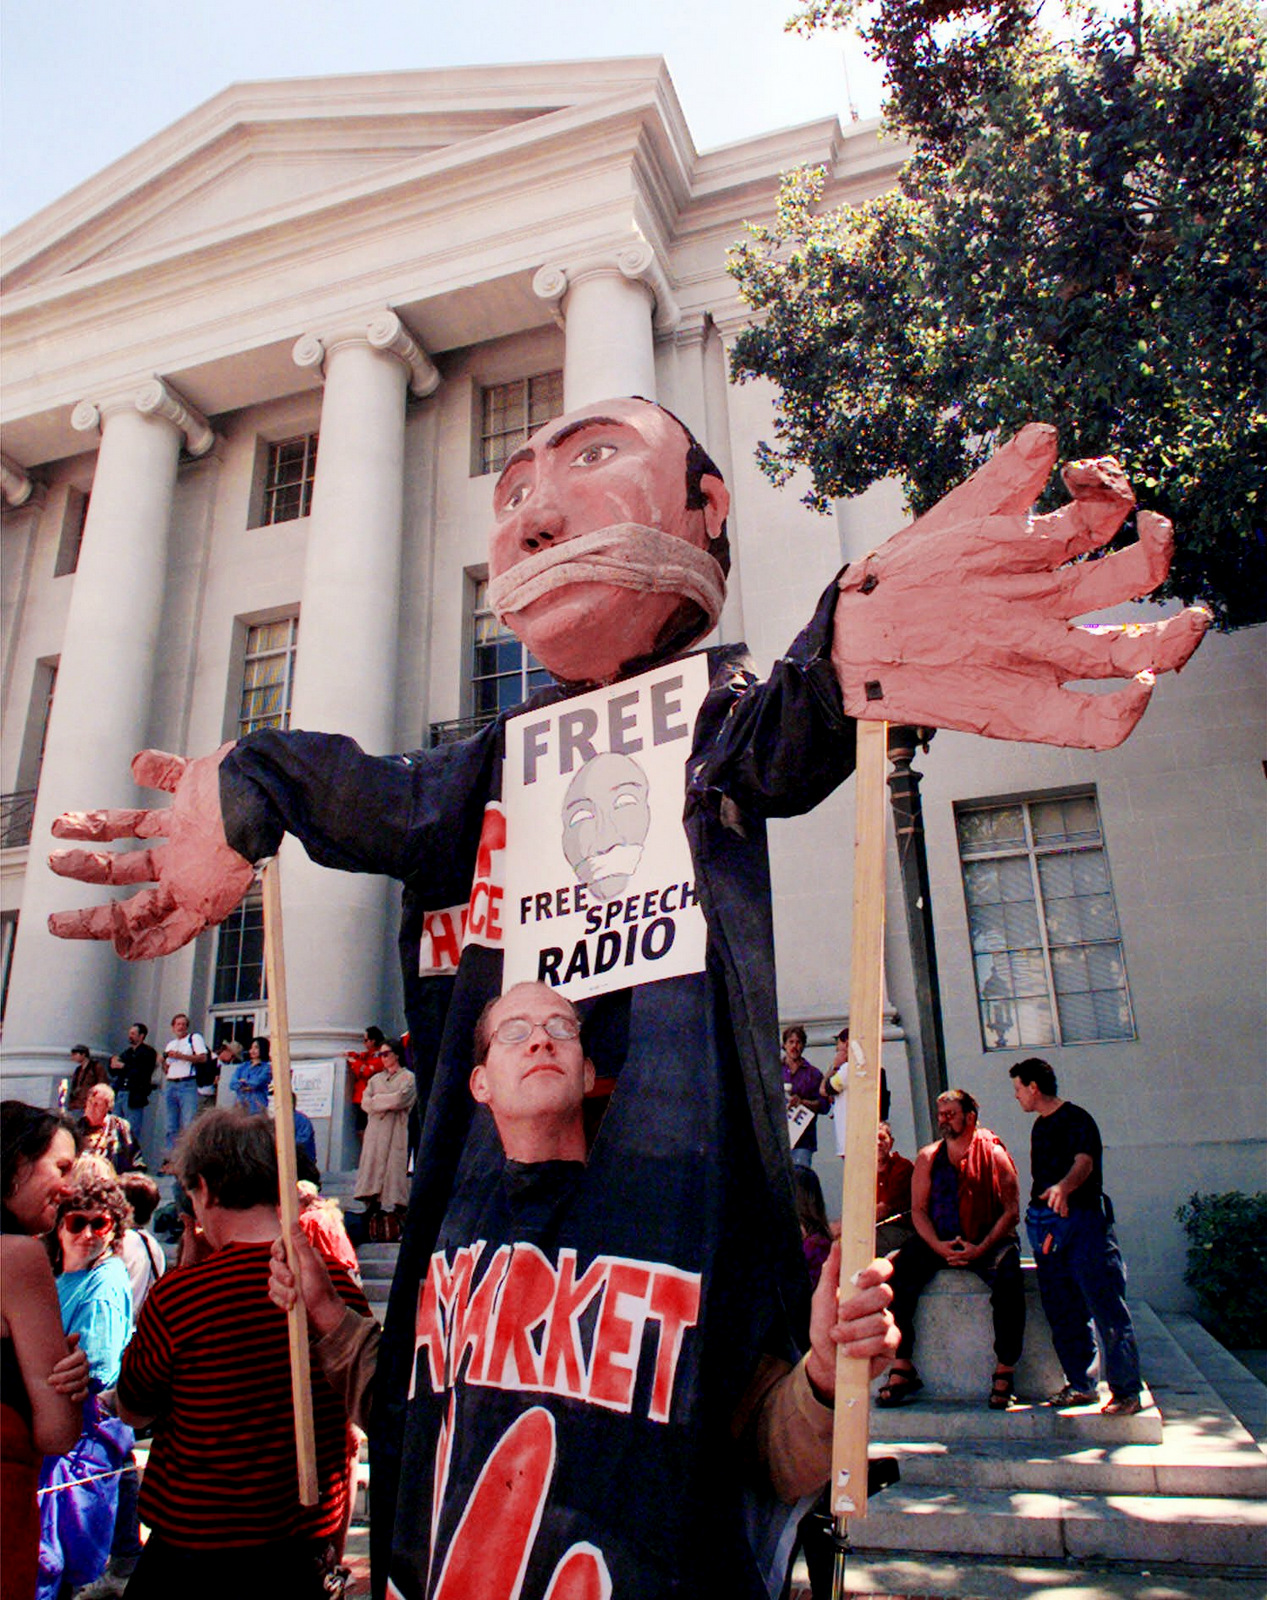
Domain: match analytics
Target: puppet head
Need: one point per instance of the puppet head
(608, 546)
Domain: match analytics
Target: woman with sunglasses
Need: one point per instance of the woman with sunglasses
(42, 1382)
(382, 1178)
(81, 1487)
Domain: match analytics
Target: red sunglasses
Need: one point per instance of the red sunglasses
(76, 1223)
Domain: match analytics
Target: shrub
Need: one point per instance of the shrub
(1227, 1263)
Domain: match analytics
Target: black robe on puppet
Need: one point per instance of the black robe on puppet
(625, 1305)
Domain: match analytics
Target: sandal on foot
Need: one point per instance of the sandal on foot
(1002, 1391)
(899, 1387)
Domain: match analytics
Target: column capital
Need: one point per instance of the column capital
(384, 332)
(154, 398)
(16, 483)
(636, 261)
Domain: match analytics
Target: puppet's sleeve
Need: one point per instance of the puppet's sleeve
(412, 816)
(778, 748)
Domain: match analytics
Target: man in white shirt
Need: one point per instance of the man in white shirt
(183, 1053)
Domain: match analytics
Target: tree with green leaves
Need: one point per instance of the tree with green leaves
(1079, 237)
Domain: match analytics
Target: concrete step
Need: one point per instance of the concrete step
(953, 1422)
(1205, 1531)
(1240, 1391)
(1167, 1469)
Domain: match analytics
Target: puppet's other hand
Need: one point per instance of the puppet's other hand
(963, 619)
(197, 877)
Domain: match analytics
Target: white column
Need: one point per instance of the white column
(606, 305)
(61, 991)
(345, 676)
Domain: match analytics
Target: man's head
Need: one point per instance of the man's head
(1034, 1080)
(606, 466)
(532, 1073)
(180, 1024)
(228, 1051)
(80, 1054)
(373, 1037)
(98, 1105)
(605, 822)
(794, 1042)
(956, 1113)
(842, 1048)
(227, 1159)
(883, 1141)
(137, 1033)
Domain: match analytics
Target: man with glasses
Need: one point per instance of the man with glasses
(521, 1320)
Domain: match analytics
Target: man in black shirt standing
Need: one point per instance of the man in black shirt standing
(1081, 1274)
(133, 1074)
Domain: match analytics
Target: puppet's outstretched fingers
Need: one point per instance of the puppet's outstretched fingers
(1114, 650)
(92, 922)
(105, 866)
(1103, 499)
(158, 769)
(99, 826)
(1123, 574)
(1095, 721)
(150, 924)
(1007, 484)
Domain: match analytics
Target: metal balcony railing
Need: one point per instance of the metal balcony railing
(459, 728)
(17, 812)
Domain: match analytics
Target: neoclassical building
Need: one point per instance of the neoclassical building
(259, 376)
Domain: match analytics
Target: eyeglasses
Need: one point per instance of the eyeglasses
(514, 1030)
(76, 1223)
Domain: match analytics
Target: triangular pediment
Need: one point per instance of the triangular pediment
(267, 149)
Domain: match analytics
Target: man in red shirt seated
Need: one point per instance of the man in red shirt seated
(209, 1367)
(965, 1206)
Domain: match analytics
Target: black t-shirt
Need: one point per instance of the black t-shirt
(1056, 1140)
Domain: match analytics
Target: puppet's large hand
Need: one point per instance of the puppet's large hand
(962, 619)
(198, 877)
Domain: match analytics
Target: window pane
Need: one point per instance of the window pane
(509, 412)
(1048, 966)
(990, 829)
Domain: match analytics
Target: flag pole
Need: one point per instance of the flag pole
(860, 1097)
(287, 1174)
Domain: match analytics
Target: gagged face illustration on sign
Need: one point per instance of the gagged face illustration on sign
(606, 817)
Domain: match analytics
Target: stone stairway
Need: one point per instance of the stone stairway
(1183, 1482)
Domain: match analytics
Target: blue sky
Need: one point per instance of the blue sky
(82, 82)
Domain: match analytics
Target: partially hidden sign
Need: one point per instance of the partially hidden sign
(599, 886)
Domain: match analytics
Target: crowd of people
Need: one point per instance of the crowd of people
(85, 1364)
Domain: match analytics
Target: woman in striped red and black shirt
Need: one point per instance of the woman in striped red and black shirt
(209, 1364)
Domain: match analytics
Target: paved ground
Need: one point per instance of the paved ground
(958, 1578)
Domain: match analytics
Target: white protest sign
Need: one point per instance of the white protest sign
(798, 1119)
(313, 1086)
(599, 885)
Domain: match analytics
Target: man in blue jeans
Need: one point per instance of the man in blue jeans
(1081, 1274)
(185, 1051)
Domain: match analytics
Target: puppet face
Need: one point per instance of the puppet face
(538, 1081)
(605, 823)
(619, 461)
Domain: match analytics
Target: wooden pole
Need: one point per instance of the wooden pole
(860, 1097)
(284, 1126)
